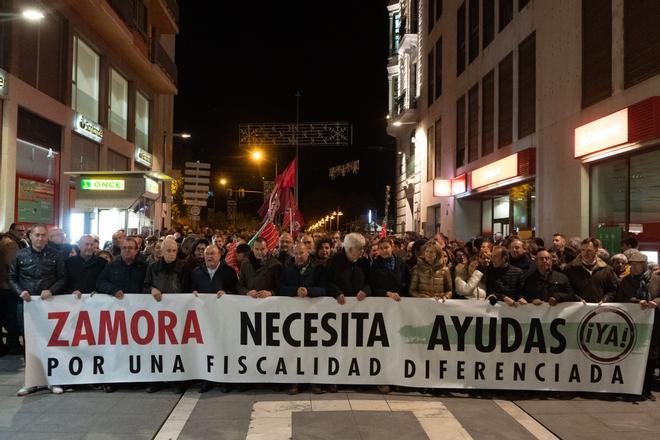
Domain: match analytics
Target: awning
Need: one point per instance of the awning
(115, 189)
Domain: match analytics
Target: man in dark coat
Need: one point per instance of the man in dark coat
(544, 284)
(259, 274)
(124, 274)
(83, 270)
(519, 257)
(284, 249)
(348, 271)
(592, 279)
(166, 274)
(503, 281)
(37, 270)
(214, 276)
(389, 275)
(301, 277)
(10, 244)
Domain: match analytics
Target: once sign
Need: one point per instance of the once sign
(102, 184)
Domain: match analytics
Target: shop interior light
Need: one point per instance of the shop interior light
(32, 14)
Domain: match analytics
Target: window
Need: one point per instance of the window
(608, 194)
(431, 16)
(527, 86)
(505, 103)
(473, 123)
(394, 94)
(394, 32)
(596, 51)
(474, 30)
(117, 162)
(141, 18)
(118, 104)
(437, 149)
(430, 78)
(641, 38)
(414, 93)
(460, 40)
(460, 132)
(438, 68)
(488, 113)
(488, 21)
(430, 147)
(85, 81)
(84, 154)
(414, 16)
(142, 122)
(506, 13)
(645, 194)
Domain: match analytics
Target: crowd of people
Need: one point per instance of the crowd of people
(515, 271)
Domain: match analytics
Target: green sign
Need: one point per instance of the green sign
(610, 238)
(102, 184)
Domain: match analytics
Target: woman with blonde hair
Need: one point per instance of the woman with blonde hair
(431, 277)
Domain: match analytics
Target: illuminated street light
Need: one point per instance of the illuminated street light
(32, 15)
(223, 182)
(182, 135)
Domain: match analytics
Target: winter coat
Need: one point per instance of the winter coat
(36, 271)
(632, 288)
(473, 287)
(504, 281)
(224, 279)
(81, 275)
(593, 287)
(524, 263)
(429, 281)
(346, 277)
(166, 277)
(117, 275)
(382, 279)
(258, 275)
(9, 247)
(556, 285)
(311, 276)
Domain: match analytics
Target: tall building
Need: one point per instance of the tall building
(86, 114)
(528, 117)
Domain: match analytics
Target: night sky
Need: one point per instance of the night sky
(259, 55)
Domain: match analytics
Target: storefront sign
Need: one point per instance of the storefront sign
(151, 186)
(497, 171)
(87, 128)
(102, 184)
(35, 201)
(602, 133)
(143, 157)
(441, 188)
(415, 343)
(3, 83)
(458, 185)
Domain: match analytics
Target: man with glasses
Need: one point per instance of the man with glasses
(37, 270)
(10, 244)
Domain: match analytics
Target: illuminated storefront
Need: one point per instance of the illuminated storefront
(622, 153)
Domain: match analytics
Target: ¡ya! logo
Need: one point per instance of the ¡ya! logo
(606, 335)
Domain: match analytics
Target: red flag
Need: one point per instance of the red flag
(230, 258)
(383, 231)
(288, 177)
(269, 233)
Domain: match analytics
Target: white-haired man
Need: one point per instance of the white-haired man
(348, 271)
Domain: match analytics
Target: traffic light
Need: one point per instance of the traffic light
(230, 193)
(241, 193)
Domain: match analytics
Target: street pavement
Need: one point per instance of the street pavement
(261, 413)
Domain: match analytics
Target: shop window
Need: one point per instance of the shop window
(118, 104)
(608, 194)
(487, 217)
(142, 122)
(85, 81)
(523, 200)
(645, 196)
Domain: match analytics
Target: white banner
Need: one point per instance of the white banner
(417, 342)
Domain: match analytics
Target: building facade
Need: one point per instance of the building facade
(87, 108)
(529, 117)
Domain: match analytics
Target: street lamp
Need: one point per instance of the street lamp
(223, 181)
(32, 14)
(182, 135)
(337, 214)
(258, 156)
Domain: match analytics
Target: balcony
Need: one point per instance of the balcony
(160, 56)
(165, 16)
